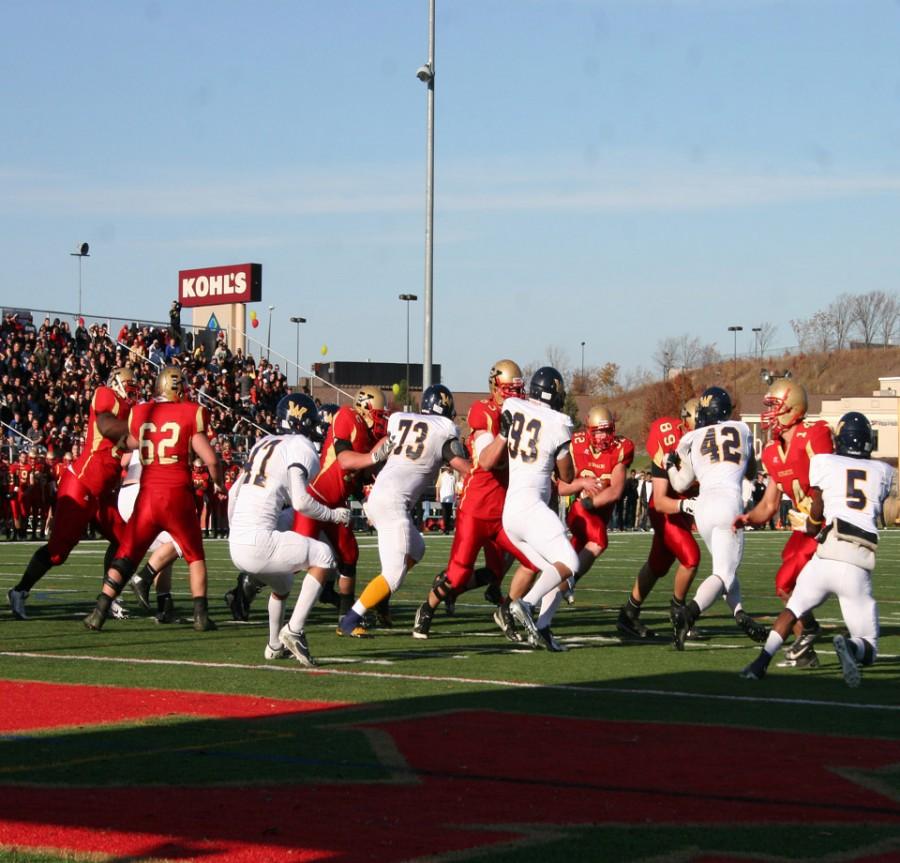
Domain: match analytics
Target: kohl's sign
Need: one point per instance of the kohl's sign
(215, 286)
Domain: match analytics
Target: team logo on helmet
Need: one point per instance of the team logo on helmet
(123, 383)
(297, 413)
(689, 414)
(715, 407)
(369, 404)
(169, 386)
(437, 399)
(785, 405)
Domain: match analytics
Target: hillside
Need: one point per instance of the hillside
(847, 372)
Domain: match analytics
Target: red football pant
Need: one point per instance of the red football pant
(796, 553)
(472, 536)
(672, 540)
(75, 509)
(157, 509)
(588, 525)
(340, 536)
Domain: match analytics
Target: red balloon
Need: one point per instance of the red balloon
(254, 323)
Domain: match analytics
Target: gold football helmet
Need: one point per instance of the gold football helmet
(601, 427)
(506, 381)
(689, 414)
(369, 404)
(123, 383)
(785, 405)
(169, 384)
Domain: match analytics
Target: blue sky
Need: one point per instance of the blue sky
(610, 172)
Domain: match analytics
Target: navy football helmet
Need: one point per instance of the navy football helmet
(437, 399)
(547, 386)
(854, 436)
(326, 418)
(297, 414)
(715, 407)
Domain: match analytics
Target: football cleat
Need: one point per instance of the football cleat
(17, 602)
(280, 652)
(422, 623)
(295, 642)
(118, 611)
(631, 627)
(167, 613)
(849, 666)
(680, 628)
(754, 630)
(237, 603)
(521, 614)
(504, 620)
(802, 645)
(550, 642)
(95, 620)
(569, 596)
(352, 624)
(141, 588)
(808, 659)
(756, 670)
(202, 623)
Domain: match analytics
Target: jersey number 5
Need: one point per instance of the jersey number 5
(856, 497)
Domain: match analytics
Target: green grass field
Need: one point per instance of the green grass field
(438, 699)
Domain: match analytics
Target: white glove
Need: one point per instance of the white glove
(341, 515)
(381, 453)
(687, 505)
(797, 519)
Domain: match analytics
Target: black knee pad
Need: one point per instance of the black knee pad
(347, 570)
(442, 588)
(124, 567)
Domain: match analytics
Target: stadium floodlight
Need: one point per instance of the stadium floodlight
(82, 250)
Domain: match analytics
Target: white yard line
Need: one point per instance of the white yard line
(500, 684)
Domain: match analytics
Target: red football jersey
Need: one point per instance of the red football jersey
(98, 467)
(200, 481)
(164, 431)
(333, 484)
(599, 463)
(484, 491)
(791, 469)
(232, 471)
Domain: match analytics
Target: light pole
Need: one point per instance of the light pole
(735, 330)
(269, 334)
(756, 345)
(298, 321)
(409, 298)
(81, 252)
(582, 364)
(426, 75)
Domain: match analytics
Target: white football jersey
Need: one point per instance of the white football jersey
(133, 471)
(417, 456)
(853, 489)
(266, 490)
(537, 437)
(718, 455)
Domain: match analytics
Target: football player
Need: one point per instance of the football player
(786, 459)
(164, 430)
(597, 451)
(846, 491)
(480, 509)
(422, 443)
(672, 537)
(537, 435)
(87, 491)
(718, 454)
(262, 544)
(355, 442)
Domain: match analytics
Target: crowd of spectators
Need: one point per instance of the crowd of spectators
(48, 374)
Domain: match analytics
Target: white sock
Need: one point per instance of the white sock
(547, 580)
(359, 608)
(549, 604)
(773, 643)
(733, 597)
(309, 596)
(276, 618)
(709, 592)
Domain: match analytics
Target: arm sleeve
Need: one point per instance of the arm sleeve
(682, 478)
(300, 499)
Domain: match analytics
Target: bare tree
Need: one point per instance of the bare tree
(666, 355)
(842, 312)
(709, 354)
(867, 312)
(637, 377)
(815, 333)
(765, 335)
(890, 312)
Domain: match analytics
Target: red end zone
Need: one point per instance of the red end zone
(458, 781)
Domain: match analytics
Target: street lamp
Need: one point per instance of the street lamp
(409, 298)
(426, 75)
(756, 338)
(582, 364)
(81, 252)
(735, 330)
(269, 334)
(298, 321)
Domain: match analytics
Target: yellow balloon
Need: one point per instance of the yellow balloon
(253, 316)
(396, 389)
(324, 350)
